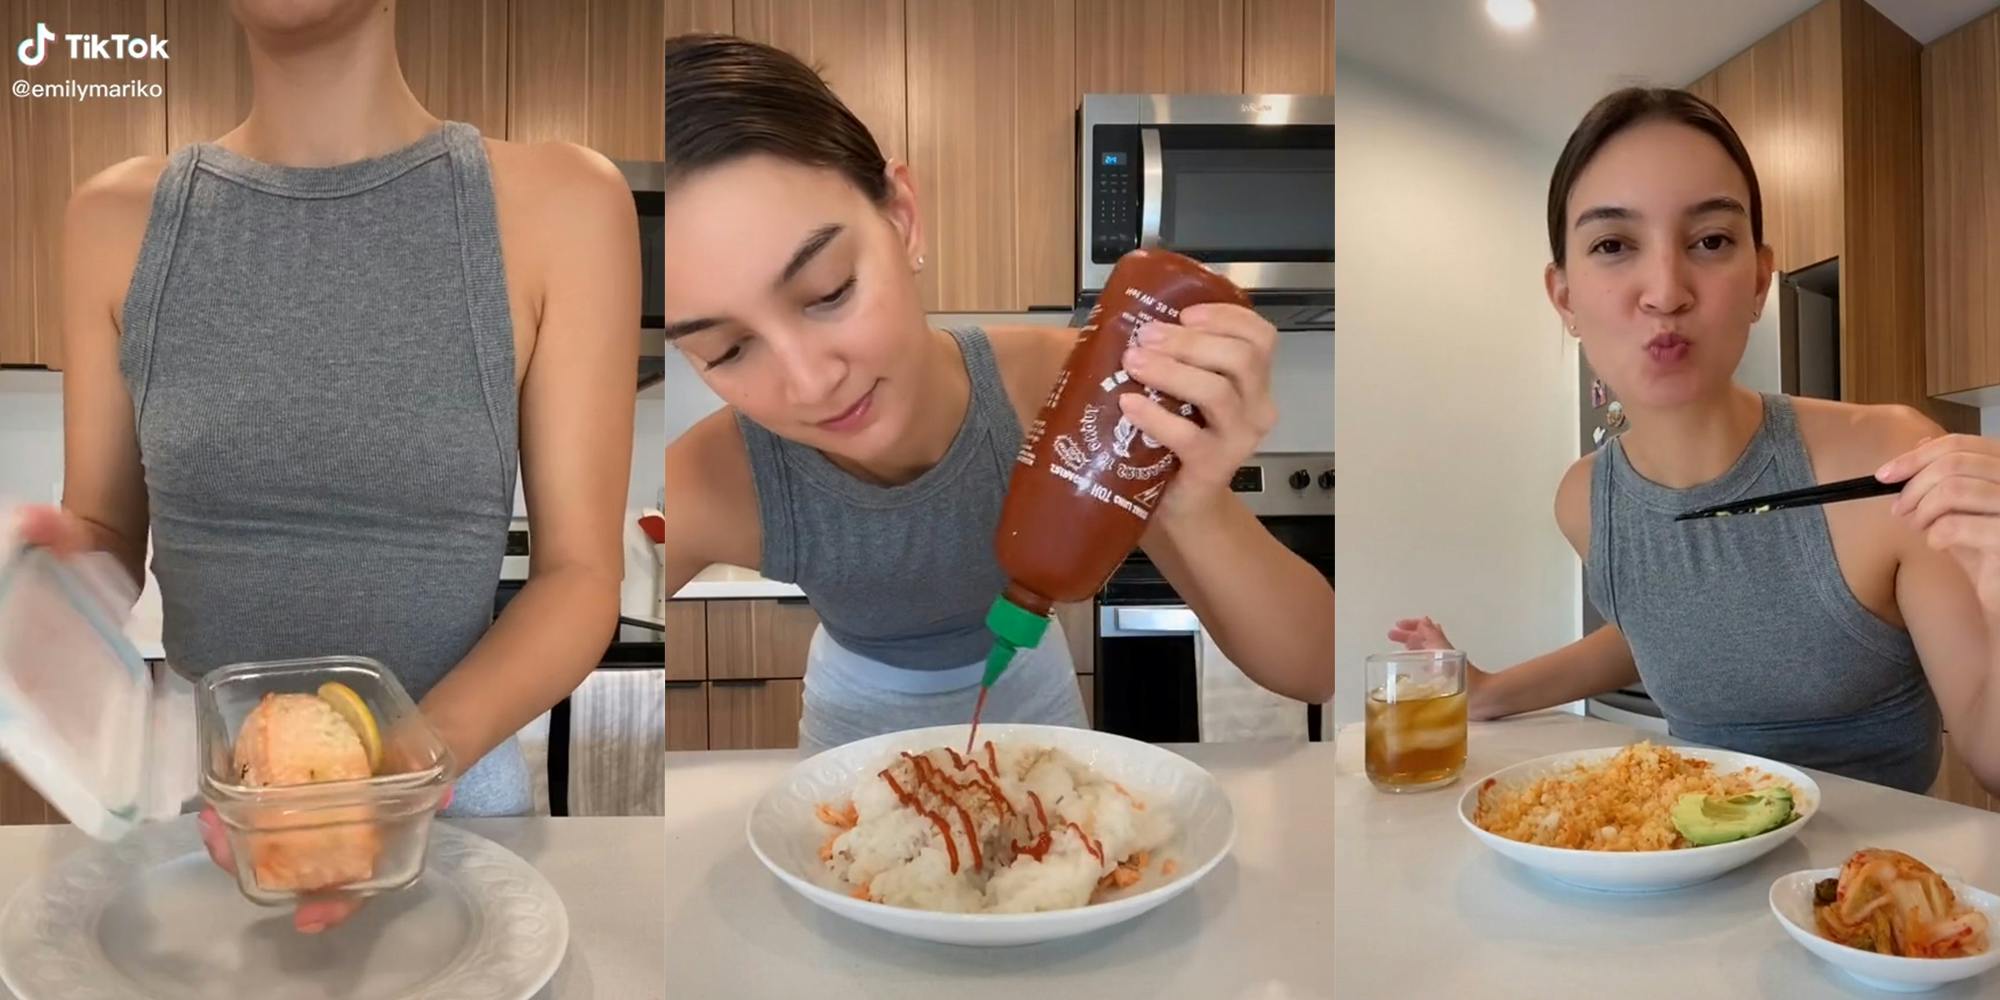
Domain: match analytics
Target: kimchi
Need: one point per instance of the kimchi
(1892, 904)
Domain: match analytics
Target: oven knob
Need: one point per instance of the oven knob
(1326, 480)
(1301, 479)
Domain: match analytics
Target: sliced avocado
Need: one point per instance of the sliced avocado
(1706, 820)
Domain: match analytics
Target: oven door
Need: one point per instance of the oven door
(1146, 682)
(1242, 183)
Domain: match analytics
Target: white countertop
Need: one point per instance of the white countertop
(606, 870)
(1426, 911)
(1256, 928)
(720, 582)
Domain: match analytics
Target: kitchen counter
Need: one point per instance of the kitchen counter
(606, 870)
(1425, 910)
(1256, 928)
(721, 582)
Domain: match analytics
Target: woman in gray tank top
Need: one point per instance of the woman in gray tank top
(865, 456)
(1832, 637)
(304, 359)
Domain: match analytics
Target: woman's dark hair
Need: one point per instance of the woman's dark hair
(729, 97)
(1637, 106)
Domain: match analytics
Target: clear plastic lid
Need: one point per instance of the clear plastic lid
(77, 702)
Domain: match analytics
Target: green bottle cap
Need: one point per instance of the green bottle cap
(1014, 628)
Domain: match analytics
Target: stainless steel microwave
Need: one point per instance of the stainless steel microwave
(1242, 183)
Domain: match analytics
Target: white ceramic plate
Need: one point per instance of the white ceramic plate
(786, 835)
(1792, 903)
(150, 918)
(1640, 871)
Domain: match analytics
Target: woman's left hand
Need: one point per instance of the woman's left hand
(1951, 495)
(1218, 357)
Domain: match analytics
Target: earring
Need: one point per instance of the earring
(920, 263)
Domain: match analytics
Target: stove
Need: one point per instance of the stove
(1148, 641)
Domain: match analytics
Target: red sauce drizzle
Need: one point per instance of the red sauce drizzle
(1039, 847)
(926, 773)
(950, 845)
(990, 759)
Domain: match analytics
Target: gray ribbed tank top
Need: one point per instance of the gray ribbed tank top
(900, 574)
(1745, 632)
(321, 363)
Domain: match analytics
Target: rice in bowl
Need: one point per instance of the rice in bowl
(1010, 828)
(1624, 803)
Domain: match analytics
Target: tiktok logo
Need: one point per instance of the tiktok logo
(33, 50)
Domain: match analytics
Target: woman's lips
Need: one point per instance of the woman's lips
(1668, 348)
(852, 417)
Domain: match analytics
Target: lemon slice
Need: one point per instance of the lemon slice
(355, 711)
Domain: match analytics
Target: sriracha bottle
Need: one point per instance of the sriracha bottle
(1086, 479)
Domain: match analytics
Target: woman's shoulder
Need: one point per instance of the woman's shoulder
(105, 223)
(1845, 440)
(711, 496)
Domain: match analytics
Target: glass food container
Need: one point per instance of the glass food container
(112, 741)
(361, 836)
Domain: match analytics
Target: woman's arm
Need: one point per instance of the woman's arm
(104, 487)
(576, 453)
(711, 502)
(1268, 609)
(1948, 584)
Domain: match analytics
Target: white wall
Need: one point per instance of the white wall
(30, 436)
(1989, 422)
(1457, 405)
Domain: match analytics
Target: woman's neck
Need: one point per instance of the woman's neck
(943, 399)
(1689, 445)
(332, 97)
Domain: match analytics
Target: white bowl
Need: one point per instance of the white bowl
(1641, 871)
(1792, 903)
(786, 834)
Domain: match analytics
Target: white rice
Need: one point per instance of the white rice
(899, 854)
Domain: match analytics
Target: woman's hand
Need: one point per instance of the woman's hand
(55, 529)
(1951, 496)
(1218, 358)
(314, 914)
(1422, 633)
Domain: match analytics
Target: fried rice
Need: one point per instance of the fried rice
(1624, 803)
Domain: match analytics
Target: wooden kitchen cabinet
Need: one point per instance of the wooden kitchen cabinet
(1288, 46)
(208, 78)
(54, 143)
(1961, 138)
(754, 715)
(857, 45)
(689, 16)
(687, 716)
(1160, 46)
(454, 54)
(759, 639)
(20, 804)
(1783, 96)
(686, 641)
(992, 142)
(588, 72)
(1829, 107)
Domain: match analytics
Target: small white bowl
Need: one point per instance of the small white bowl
(1641, 871)
(785, 833)
(1792, 904)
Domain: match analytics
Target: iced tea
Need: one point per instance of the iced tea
(1415, 738)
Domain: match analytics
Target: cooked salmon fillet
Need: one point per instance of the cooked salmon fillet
(298, 739)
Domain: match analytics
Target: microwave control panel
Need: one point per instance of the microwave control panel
(1114, 192)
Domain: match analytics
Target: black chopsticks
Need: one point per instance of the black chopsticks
(1858, 488)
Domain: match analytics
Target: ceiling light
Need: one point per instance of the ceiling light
(1512, 15)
